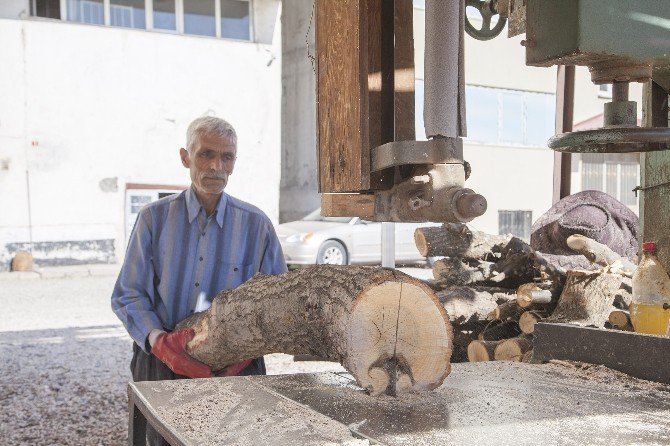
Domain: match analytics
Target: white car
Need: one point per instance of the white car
(343, 241)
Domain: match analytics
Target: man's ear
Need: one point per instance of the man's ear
(185, 160)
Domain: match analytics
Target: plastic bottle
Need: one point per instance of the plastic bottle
(650, 306)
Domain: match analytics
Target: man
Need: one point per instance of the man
(186, 248)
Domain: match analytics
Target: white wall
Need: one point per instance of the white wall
(115, 103)
(14, 9)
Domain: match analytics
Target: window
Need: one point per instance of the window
(199, 17)
(86, 11)
(509, 117)
(165, 15)
(614, 174)
(45, 8)
(517, 223)
(127, 13)
(501, 117)
(235, 23)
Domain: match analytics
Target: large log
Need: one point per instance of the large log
(512, 349)
(456, 240)
(587, 298)
(386, 328)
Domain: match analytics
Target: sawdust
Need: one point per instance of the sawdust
(213, 412)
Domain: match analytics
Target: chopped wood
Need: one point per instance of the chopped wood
(601, 254)
(621, 320)
(587, 298)
(454, 271)
(507, 311)
(456, 240)
(512, 349)
(530, 294)
(479, 351)
(386, 328)
(464, 304)
(496, 332)
(528, 320)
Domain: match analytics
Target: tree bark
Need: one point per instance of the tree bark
(456, 240)
(454, 271)
(497, 332)
(601, 254)
(464, 304)
(587, 298)
(386, 328)
(531, 295)
(508, 311)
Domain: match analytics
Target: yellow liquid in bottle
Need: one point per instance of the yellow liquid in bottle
(650, 319)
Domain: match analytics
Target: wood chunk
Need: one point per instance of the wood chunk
(507, 311)
(374, 321)
(512, 349)
(601, 254)
(621, 320)
(528, 320)
(479, 351)
(530, 294)
(456, 240)
(454, 271)
(587, 298)
(504, 330)
(466, 303)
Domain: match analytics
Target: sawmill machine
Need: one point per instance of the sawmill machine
(370, 164)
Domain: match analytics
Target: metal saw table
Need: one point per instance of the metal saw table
(479, 403)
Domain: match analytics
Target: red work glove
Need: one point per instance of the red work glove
(170, 348)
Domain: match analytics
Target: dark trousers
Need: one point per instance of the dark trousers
(146, 367)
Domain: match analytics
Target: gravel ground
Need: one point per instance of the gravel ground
(64, 363)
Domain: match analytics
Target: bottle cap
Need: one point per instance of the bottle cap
(649, 246)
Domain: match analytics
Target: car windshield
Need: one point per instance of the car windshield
(316, 216)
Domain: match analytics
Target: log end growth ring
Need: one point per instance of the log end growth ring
(398, 339)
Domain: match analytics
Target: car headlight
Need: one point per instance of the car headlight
(299, 238)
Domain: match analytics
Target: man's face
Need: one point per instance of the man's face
(210, 161)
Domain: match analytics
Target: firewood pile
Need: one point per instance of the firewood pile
(496, 288)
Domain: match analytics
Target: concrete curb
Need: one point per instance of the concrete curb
(63, 272)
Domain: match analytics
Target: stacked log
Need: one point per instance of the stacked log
(495, 288)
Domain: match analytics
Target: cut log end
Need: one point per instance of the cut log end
(479, 351)
(512, 349)
(399, 338)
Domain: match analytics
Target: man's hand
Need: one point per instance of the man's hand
(170, 348)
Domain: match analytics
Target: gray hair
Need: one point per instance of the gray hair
(210, 126)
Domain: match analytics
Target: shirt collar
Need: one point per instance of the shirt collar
(193, 206)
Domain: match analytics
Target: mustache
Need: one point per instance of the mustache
(216, 176)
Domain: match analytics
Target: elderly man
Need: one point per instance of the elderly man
(183, 250)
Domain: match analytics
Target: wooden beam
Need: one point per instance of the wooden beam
(348, 205)
(342, 99)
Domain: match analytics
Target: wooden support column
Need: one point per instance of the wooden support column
(655, 176)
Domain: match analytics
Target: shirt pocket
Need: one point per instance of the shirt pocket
(233, 275)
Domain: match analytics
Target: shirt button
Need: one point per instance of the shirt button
(197, 284)
(201, 259)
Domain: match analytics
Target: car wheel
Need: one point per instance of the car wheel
(332, 253)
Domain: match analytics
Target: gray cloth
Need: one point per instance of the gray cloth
(592, 214)
(146, 367)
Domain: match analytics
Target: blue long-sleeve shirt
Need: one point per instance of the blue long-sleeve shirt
(176, 253)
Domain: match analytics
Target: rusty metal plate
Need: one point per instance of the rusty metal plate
(434, 151)
(613, 140)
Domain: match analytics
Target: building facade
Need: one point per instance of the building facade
(96, 99)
